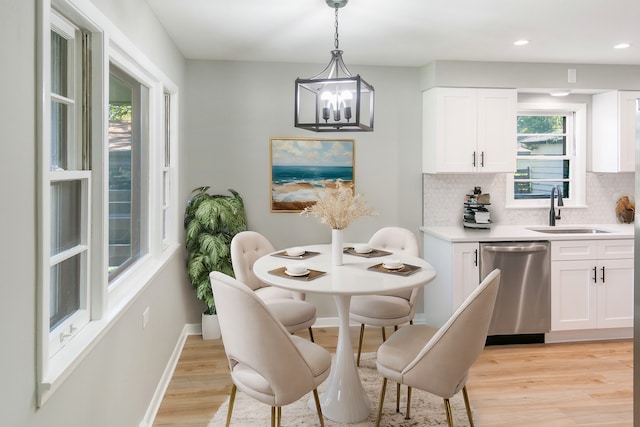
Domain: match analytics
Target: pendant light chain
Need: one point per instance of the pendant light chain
(336, 43)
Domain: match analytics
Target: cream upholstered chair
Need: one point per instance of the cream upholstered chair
(389, 309)
(289, 307)
(437, 360)
(266, 361)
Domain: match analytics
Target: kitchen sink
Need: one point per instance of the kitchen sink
(569, 230)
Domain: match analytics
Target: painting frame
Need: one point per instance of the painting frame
(302, 168)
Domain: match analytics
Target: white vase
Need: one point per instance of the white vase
(210, 327)
(336, 246)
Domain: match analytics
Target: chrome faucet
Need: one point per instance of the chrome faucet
(552, 211)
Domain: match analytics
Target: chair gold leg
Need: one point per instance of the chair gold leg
(232, 399)
(467, 405)
(273, 416)
(318, 408)
(408, 414)
(447, 407)
(384, 335)
(279, 416)
(311, 334)
(360, 344)
(384, 388)
(397, 398)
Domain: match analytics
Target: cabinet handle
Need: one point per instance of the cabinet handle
(603, 274)
(473, 156)
(475, 262)
(482, 159)
(595, 274)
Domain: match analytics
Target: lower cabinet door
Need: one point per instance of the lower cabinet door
(573, 295)
(466, 271)
(592, 294)
(615, 293)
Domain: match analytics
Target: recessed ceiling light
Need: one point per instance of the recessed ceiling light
(559, 92)
(521, 42)
(622, 45)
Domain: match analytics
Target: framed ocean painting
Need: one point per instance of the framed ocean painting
(302, 168)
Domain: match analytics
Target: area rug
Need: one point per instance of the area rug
(426, 409)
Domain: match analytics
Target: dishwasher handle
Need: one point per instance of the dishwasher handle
(515, 248)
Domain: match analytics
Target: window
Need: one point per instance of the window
(107, 205)
(127, 142)
(550, 154)
(68, 181)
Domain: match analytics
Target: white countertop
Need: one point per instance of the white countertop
(522, 232)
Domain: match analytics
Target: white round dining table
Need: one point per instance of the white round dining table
(344, 400)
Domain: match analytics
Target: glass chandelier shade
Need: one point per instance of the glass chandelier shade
(334, 100)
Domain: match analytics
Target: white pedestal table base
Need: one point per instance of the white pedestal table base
(345, 400)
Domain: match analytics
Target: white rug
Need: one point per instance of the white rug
(426, 409)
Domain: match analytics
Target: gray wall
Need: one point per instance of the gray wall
(17, 216)
(233, 108)
(113, 385)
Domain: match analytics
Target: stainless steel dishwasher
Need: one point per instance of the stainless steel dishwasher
(523, 304)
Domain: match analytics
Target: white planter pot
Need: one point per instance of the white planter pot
(210, 327)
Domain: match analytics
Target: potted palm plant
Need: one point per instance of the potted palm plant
(210, 222)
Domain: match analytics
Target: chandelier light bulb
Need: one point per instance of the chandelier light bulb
(326, 105)
(345, 101)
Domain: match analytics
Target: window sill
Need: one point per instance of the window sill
(62, 364)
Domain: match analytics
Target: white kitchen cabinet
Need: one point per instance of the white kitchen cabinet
(469, 130)
(466, 271)
(614, 131)
(591, 284)
(458, 274)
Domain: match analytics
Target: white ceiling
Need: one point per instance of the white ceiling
(405, 32)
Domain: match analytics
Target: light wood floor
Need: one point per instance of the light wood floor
(577, 384)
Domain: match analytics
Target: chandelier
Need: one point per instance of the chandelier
(334, 99)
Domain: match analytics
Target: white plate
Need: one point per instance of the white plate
(304, 273)
(368, 251)
(393, 267)
(295, 252)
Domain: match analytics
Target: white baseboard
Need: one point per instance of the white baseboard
(156, 400)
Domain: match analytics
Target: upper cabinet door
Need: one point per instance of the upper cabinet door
(614, 131)
(497, 130)
(468, 130)
(450, 122)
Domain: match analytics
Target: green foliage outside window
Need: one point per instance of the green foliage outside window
(541, 124)
(120, 112)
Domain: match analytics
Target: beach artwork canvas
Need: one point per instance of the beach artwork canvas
(301, 169)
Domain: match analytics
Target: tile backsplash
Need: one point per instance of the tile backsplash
(443, 197)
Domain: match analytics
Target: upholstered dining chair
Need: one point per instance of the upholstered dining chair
(437, 360)
(266, 361)
(289, 307)
(391, 309)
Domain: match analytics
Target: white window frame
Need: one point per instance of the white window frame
(106, 303)
(69, 327)
(576, 154)
(143, 140)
